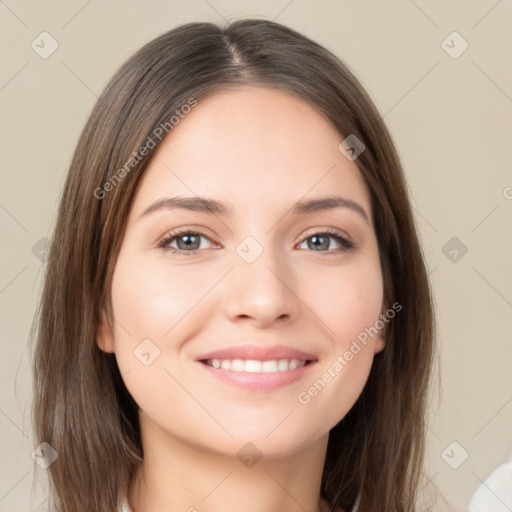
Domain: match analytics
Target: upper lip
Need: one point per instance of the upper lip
(258, 353)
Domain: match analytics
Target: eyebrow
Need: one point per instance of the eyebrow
(211, 206)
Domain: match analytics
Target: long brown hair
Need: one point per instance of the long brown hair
(81, 406)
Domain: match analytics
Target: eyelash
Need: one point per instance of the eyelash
(346, 245)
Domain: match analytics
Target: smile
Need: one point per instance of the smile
(254, 366)
(261, 367)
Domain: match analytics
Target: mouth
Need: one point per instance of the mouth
(258, 368)
(255, 366)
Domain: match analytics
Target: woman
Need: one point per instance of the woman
(236, 312)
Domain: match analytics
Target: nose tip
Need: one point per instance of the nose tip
(259, 293)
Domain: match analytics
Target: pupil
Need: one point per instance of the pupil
(189, 240)
(315, 239)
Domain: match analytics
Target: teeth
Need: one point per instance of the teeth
(294, 363)
(252, 366)
(237, 365)
(282, 365)
(271, 366)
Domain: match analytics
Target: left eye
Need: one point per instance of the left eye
(319, 241)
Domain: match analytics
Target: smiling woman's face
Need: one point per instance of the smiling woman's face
(252, 278)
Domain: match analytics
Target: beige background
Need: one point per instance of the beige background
(450, 117)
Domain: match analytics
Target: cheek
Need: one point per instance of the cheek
(347, 299)
(153, 301)
(157, 309)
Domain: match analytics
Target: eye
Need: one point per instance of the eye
(322, 240)
(188, 242)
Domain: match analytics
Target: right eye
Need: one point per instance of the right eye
(187, 242)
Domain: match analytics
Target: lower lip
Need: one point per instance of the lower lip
(259, 381)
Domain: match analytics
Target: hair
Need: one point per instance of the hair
(81, 407)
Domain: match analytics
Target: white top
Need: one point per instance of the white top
(495, 493)
(126, 508)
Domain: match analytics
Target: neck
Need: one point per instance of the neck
(177, 476)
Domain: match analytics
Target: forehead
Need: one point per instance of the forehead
(251, 146)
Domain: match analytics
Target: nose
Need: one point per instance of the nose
(261, 292)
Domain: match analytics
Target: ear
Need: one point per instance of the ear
(380, 344)
(105, 338)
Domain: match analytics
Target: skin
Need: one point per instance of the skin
(259, 151)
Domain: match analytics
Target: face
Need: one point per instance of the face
(242, 320)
